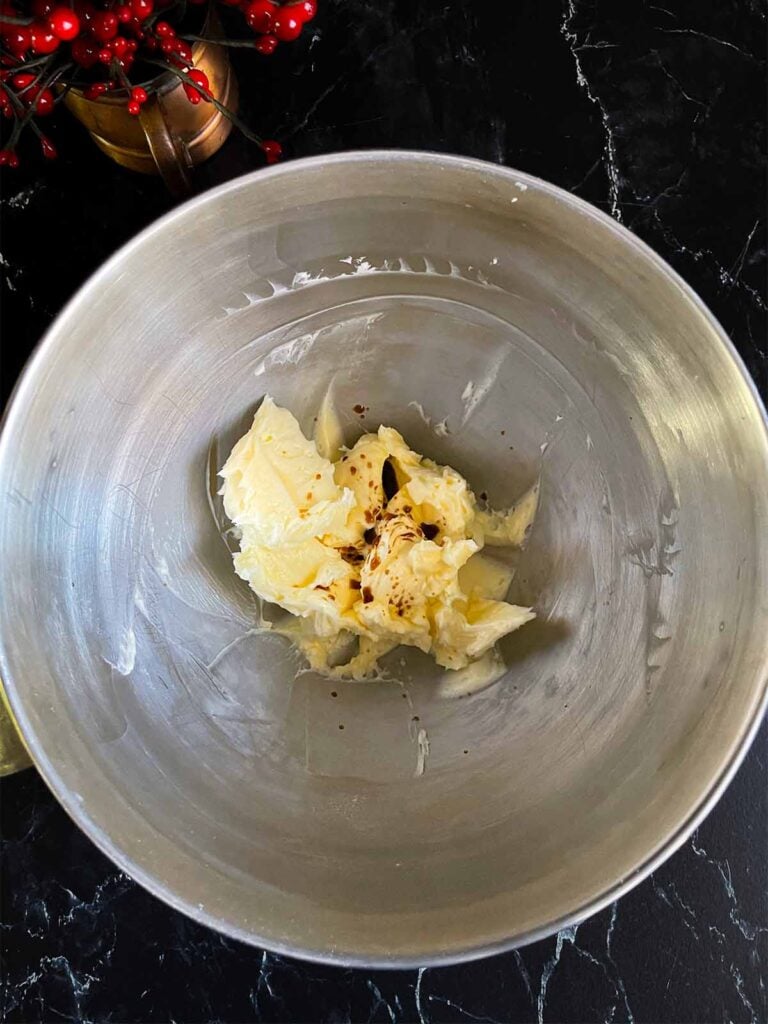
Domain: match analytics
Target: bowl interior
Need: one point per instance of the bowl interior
(503, 328)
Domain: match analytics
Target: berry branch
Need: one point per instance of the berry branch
(194, 86)
(97, 47)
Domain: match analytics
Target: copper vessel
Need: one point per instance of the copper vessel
(171, 135)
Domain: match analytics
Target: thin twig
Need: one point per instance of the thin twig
(182, 76)
(68, 85)
(36, 62)
(122, 76)
(30, 111)
(241, 43)
(36, 130)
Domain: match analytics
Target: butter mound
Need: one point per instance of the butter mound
(377, 548)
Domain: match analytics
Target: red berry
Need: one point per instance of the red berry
(286, 26)
(22, 80)
(199, 76)
(266, 44)
(260, 15)
(166, 45)
(142, 8)
(183, 50)
(272, 150)
(84, 52)
(118, 46)
(134, 108)
(92, 92)
(43, 102)
(201, 79)
(124, 13)
(104, 25)
(163, 29)
(133, 45)
(17, 40)
(48, 148)
(126, 62)
(42, 40)
(9, 158)
(105, 56)
(139, 95)
(64, 24)
(305, 9)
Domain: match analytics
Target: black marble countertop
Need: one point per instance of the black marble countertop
(655, 112)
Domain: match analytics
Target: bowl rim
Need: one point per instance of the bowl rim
(665, 847)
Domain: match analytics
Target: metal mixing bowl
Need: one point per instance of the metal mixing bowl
(547, 341)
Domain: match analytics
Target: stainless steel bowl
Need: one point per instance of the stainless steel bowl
(549, 342)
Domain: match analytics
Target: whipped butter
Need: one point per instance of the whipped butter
(369, 547)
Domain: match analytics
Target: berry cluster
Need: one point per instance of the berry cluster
(273, 23)
(50, 46)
